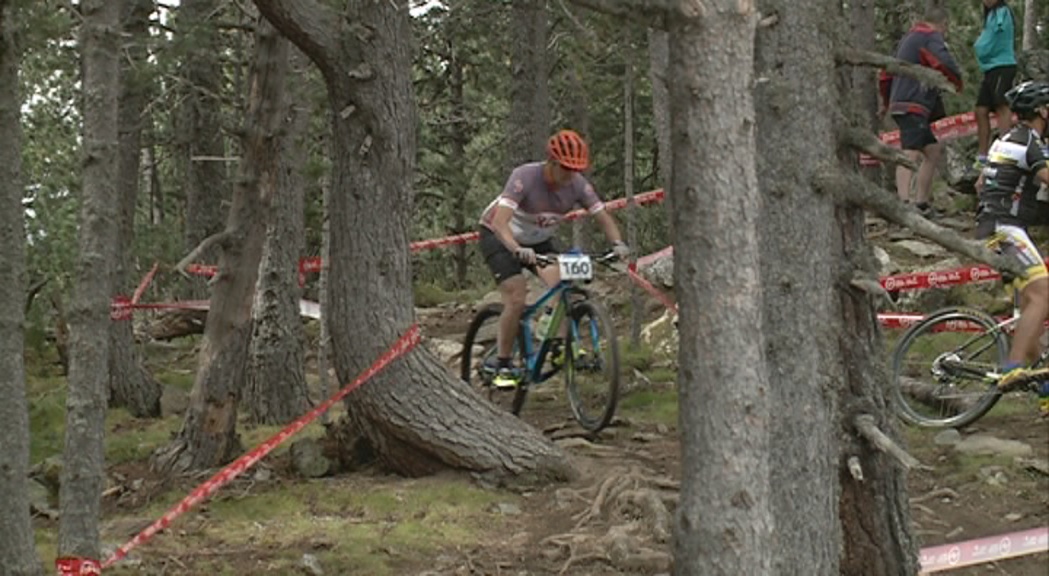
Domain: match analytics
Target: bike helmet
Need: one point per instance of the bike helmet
(1025, 98)
(569, 150)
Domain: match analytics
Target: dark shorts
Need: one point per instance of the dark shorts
(915, 132)
(502, 262)
(996, 82)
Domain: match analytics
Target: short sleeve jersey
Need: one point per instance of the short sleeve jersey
(538, 206)
(1010, 193)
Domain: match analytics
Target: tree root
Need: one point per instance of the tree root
(637, 510)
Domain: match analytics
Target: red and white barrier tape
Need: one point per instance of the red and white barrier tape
(984, 550)
(403, 345)
(313, 264)
(950, 128)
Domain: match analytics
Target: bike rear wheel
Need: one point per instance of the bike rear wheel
(591, 367)
(940, 367)
(478, 345)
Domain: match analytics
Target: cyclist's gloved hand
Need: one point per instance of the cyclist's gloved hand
(621, 249)
(526, 255)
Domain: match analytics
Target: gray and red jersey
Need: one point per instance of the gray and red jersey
(539, 206)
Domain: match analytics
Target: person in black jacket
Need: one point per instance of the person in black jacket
(914, 106)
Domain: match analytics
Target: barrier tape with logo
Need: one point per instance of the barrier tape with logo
(950, 128)
(83, 567)
(983, 550)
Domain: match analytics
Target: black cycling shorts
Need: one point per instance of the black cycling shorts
(996, 82)
(915, 131)
(504, 264)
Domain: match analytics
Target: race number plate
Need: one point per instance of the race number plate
(576, 267)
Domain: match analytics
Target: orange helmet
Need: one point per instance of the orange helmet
(569, 149)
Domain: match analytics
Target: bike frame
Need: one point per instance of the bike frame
(535, 356)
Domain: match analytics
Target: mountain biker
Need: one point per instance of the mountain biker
(1010, 189)
(520, 223)
(914, 105)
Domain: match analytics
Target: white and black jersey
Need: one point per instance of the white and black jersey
(1011, 186)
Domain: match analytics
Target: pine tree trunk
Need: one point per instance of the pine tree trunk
(460, 139)
(1030, 25)
(659, 58)
(83, 458)
(276, 391)
(724, 519)
(822, 344)
(199, 128)
(636, 305)
(417, 416)
(130, 385)
(208, 436)
(529, 120)
(18, 555)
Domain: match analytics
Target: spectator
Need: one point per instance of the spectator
(997, 59)
(914, 106)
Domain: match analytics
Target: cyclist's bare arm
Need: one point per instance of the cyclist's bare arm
(608, 226)
(1043, 175)
(501, 227)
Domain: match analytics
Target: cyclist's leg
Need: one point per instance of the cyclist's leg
(513, 290)
(1013, 242)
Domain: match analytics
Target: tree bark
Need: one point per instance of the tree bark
(529, 92)
(130, 385)
(199, 124)
(460, 138)
(1030, 26)
(822, 340)
(208, 436)
(17, 551)
(636, 306)
(276, 391)
(83, 459)
(724, 520)
(659, 61)
(418, 418)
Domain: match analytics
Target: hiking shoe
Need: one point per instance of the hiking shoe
(1019, 376)
(930, 212)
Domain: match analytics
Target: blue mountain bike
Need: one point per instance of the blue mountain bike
(585, 351)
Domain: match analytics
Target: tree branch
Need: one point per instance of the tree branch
(858, 190)
(894, 66)
(308, 24)
(869, 430)
(869, 144)
(220, 239)
(651, 13)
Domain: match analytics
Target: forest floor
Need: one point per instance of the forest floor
(609, 520)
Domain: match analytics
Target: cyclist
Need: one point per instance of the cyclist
(520, 223)
(1009, 188)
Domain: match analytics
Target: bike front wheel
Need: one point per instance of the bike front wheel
(940, 368)
(591, 367)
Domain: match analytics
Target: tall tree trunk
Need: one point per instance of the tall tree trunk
(201, 144)
(529, 92)
(413, 412)
(130, 385)
(1030, 25)
(460, 138)
(580, 118)
(83, 460)
(208, 436)
(821, 338)
(628, 189)
(724, 521)
(17, 552)
(276, 391)
(658, 62)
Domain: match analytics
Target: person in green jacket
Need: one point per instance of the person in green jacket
(997, 58)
